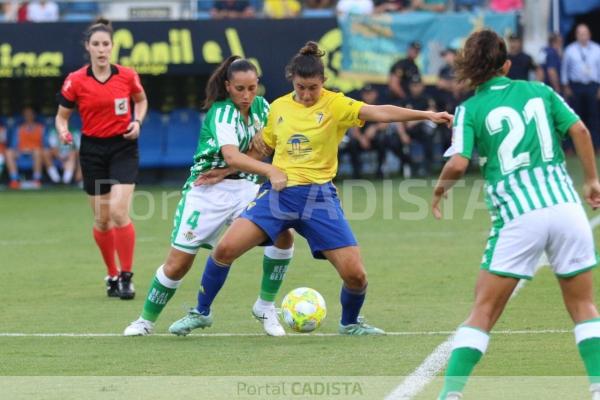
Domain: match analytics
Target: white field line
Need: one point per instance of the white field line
(435, 362)
(224, 334)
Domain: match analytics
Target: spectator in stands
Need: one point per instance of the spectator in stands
(522, 63)
(403, 72)
(367, 137)
(552, 59)
(447, 75)
(22, 11)
(430, 5)
(29, 139)
(379, 137)
(42, 11)
(361, 7)
(9, 11)
(449, 93)
(421, 131)
(232, 9)
(282, 8)
(384, 6)
(65, 154)
(506, 5)
(580, 77)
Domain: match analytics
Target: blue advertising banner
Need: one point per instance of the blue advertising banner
(371, 44)
(574, 7)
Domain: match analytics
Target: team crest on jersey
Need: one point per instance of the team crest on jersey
(320, 116)
(189, 235)
(121, 106)
(298, 147)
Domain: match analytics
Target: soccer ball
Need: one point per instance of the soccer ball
(303, 309)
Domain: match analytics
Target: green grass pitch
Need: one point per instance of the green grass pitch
(421, 278)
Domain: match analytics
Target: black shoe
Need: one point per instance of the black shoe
(126, 289)
(112, 287)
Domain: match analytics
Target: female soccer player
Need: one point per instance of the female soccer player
(304, 130)
(517, 128)
(235, 114)
(109, 148)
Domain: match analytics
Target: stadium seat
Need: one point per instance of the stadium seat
(182, 138)
(152, 140)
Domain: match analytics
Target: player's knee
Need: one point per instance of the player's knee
(225, 252)
(175, 270)
(356, 280)
(119, 217)
(102, 224)
(285, 240)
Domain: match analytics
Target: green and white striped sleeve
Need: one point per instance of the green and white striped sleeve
(463, 134)
(225, 126)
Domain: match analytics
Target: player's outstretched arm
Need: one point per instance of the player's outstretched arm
(454, 169)
(389, 113)
(584, 148)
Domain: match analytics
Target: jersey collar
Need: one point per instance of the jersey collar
(496, 81)
(113, 71)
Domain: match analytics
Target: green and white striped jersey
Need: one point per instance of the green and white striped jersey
(517, 128)
(224, 125)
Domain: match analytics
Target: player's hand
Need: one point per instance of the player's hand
(278, 178)
(133, 131)
(66, 137)
(438, 195)
(213, 176)
(591, 192)
(442, 118)
(258, 144)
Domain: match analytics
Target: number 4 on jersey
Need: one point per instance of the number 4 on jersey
(192, 221)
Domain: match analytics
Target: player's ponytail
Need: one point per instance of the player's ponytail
(481, 58)
(99, 25)
(215, 88)
(307, 63)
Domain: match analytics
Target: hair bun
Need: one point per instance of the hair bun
(311, 49)
(102, 21)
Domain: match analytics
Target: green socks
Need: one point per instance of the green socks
(587, 336)
(160, 292)
(467, 349)
(275, 264)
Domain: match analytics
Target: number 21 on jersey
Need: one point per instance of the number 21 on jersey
(534, 111)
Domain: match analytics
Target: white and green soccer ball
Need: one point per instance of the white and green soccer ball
(303, 309)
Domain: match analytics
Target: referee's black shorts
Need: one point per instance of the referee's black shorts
(106, 162)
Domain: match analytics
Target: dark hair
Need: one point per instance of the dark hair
(100, 25)
(481, 58)
(553, 38)
(215, 88)
(306, 63)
